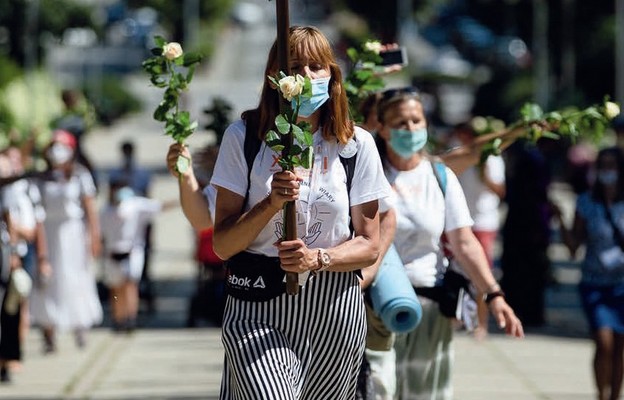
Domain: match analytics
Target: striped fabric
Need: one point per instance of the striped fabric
(308, 346)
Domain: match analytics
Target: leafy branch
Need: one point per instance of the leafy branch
(172, 69)
(301, 153)
(589, 123)
(363, 79)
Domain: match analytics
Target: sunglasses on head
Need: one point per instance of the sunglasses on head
(390, 94)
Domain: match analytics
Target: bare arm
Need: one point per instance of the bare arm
(387, 227)
(14, 259)
(93, 224)
(498, 189)
(233, 231)
(469, 253)
(572, 238)
(194, 204)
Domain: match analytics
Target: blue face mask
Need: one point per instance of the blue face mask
(123, 194)
(320, 94)
(406, 143)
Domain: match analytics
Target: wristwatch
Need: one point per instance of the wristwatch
(491, 296)
(324, 260)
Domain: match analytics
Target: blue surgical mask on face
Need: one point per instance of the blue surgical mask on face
(406, 143)
(123, 194)
(320, 94)
(608, 177)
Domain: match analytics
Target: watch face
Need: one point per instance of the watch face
(325, 259)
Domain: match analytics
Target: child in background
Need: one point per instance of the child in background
(123, 226)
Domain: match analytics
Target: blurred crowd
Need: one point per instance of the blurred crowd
(62, 254)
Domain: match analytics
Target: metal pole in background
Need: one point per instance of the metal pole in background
(568, 56)
(619, 51)
(541, 79)
(190, 16)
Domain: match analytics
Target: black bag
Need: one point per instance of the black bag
(448, 294)
(254, 277)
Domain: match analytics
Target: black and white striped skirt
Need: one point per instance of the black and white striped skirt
(308, 346)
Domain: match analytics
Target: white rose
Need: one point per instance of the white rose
(612, 110)
(497, 125)
(479, 124)
(291, 86)
(373, 46)
(172, 50)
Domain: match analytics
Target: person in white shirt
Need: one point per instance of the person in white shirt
(309, 345)
(123, 224)
(423, 214)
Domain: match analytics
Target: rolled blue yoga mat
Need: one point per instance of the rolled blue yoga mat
(393, 296)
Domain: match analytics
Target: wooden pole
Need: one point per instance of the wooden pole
(283, 59)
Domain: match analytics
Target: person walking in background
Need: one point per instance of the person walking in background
(309, 345)
(67, 299)
(599, 224)
(10, 344)
(23, 204)
(424, 211)
(78, 118)
(123, 226)
(484, 187)
(139, 180)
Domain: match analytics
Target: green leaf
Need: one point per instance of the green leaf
(353, 54)
(282, 125)
(190, 73)
(307, 88)
(157, 51)
(272, 137)
(191, 59)
(184, 117)
(307, 157)
(273, 81)
(298, 133)
(159, 41)
(531, 112)
(295, 150)
(160, 114)
(550, 135)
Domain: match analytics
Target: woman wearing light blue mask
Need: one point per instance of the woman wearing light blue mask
(327, 318)
(423, 213)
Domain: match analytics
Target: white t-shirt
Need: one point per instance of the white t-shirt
(210, 193)
(323, 206)
(123, 226)
(423, 214)
(482, 202)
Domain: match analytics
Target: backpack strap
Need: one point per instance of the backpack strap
(439, 171)
(251, 147)
(349, 166)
